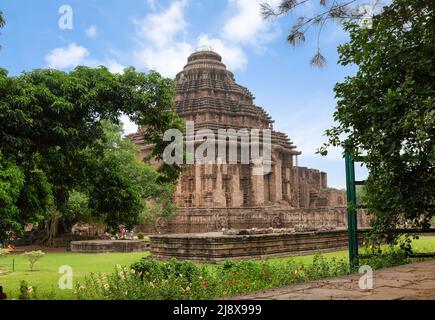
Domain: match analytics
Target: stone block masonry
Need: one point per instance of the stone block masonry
(217, 247)
(225, 193)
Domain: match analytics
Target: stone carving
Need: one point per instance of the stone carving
(207, 94)
(277, 222)
(304, 228)
(161, 225)
(221, 223)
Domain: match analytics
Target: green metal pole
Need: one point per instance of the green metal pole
(13, 265)
(351, 210)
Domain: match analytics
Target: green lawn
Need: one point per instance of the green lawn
(45, 277)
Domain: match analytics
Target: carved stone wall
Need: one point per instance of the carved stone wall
(206, 93)
(214, 219)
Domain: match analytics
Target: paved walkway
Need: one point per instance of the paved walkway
(411, 281)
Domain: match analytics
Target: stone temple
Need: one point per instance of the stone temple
(227, 194)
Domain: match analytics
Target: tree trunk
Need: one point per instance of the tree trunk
(51, 229)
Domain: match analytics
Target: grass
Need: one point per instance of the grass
(45, 277)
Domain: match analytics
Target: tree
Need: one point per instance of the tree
(386, 112)
(122, 186)
(321, 12)
(2, 20)
(49, 118)
(33, 257)
(76, 210)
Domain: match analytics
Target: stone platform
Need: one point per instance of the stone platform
(215, 246)
(108, 246)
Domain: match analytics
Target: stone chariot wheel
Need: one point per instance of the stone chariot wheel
(161, 225)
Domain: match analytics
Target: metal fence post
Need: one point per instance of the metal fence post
(351, 210)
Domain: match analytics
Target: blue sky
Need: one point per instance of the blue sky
(159, 35)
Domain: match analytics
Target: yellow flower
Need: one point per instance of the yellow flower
(121, 275)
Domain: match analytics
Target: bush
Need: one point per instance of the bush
(26, 292)
(4, 252)
(143, 285)
(33, 256)
(153, 270)
(140, 236)
(174, 279)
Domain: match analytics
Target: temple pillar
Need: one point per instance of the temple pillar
(287, 184)
(198, 186)
(277, 181)
(258, 186)
(219, 199)
(237, 195)
(178, 195)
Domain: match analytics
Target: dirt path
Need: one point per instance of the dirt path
(411, 281)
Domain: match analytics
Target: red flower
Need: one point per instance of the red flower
(229, 283)
(264, 265)
(235, 282)
(234, 273)
(205, 284)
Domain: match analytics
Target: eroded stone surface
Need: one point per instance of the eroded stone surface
(413, 281)
(216, 246)
(107, 246)
(228, 194)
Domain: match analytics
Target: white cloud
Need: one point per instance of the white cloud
(247, 25)
(233, 56)
(91, 32)
(163, 48)
(74, 55)
(70, 56)
(167, 61)
(113, 66)
(128, 125)
(161, 28)
(152, 4)
(160, 47)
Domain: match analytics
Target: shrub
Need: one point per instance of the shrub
(4, 252)
(141, 236)
(26, 291)
(152, 270)
(175, 279)
(33, 256)
(143, 285)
